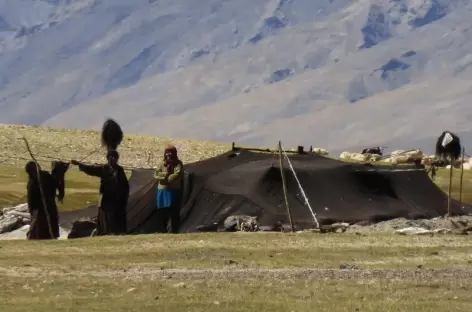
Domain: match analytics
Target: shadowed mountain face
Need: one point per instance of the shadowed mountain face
(335, 74)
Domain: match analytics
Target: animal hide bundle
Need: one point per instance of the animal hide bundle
(448, 146)
(112, 135)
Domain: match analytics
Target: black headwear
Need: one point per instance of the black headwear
(448, 145)
(112, 135)
(30, 167)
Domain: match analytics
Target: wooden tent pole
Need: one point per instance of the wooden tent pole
(450, 189)
(284, 186)
(462, 177)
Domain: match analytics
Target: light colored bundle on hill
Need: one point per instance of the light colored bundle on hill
(12, 218)
(320, 151)
(458, 163)
(398, 160)
(345, 155)
(360, 157)
(397, 157)
(375, 157)
(413, 154)
(428, 160)
(467, 166)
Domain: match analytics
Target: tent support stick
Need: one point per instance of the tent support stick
(450, 189)
(284, 185)
(462, 177)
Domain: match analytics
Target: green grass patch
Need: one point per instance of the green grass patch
(442, 180)
(81, 189)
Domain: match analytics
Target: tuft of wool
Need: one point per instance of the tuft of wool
(112, 135)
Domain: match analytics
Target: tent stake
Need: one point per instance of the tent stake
(284, 186)
(462, 177)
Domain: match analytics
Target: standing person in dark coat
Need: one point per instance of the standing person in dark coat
(169, 191)
(40, 226)
(114, 190)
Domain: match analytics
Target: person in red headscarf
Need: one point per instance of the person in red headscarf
(169, 191)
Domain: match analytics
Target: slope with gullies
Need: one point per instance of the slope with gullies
(337, 74)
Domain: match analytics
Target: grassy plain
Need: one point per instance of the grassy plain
(239, 272)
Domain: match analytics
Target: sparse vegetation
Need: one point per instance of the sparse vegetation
(135, 151)
(238, 272)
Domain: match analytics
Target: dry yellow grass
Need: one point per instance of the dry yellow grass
(238, 272)
(49, 144)
(135, 151)
(442, 180)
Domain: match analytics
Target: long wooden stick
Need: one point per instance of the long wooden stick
(450, 189)
(284, 186)
(43, 198)
(462, 177)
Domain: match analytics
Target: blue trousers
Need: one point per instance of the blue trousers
(168, 207)
(166, 198)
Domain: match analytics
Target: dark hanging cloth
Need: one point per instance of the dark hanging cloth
(58, 172)
(39, 227)
(114, 191)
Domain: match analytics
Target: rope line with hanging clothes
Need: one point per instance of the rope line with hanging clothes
(51, 158)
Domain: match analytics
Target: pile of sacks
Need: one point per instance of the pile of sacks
(397, 157)
(360, 157)
(13, 218)
(404, 157)
(458, 163)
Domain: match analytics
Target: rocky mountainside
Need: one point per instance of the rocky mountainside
(331, 73)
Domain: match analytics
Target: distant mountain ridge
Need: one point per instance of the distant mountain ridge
(334, 74)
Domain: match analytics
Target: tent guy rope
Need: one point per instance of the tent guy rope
(301, 189)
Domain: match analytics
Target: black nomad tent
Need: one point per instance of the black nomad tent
(243, 182)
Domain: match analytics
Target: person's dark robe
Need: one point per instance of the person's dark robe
(114, 190)
(39, 226)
